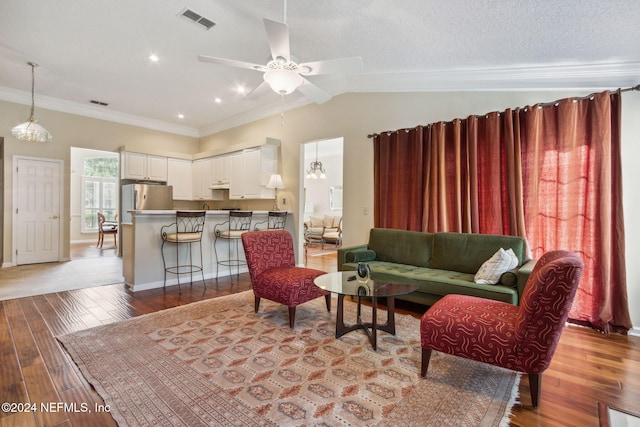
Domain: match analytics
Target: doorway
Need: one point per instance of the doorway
(321, 195)
(38, 196)
(94, 187)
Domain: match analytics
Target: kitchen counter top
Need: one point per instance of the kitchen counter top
(142, 243)
(173, 211)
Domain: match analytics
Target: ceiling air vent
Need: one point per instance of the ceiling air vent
(198, 19)
(103, 104)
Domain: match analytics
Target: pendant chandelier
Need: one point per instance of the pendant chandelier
(316, 170)
(30, 130)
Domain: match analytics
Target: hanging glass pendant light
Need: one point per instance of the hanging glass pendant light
(30, 130)
(316, 170)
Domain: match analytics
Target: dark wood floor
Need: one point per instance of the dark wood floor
(588, 367)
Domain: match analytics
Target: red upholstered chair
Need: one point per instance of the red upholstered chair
(274, 274)
(522, 338)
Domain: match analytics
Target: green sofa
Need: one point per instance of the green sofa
(440, 263)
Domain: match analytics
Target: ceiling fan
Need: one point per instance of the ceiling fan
(283, 74)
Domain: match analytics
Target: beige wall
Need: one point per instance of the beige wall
(68, 131)
(351, 116)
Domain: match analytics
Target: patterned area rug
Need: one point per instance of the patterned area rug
(217, 363)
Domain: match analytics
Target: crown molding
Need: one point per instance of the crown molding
(49, 103)
(557, 77)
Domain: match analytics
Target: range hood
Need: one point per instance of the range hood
(223, 186)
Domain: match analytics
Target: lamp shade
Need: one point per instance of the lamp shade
(275, 181)
(283, 81)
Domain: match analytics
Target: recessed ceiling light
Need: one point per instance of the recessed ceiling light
(240, 89)
(181, 116)
(217, 100)
(154, 58)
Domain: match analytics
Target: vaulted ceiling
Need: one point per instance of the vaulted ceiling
(99, 50)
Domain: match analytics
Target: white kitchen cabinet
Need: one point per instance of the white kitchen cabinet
(250, 172)
(179, 175)
(143, 167)
(198, 168)
(220, 169)
(202, 174)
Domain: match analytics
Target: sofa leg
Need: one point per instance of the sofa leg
(426, 358)
(535, 388)
(256, 304)
(327, 299)
(292, 316)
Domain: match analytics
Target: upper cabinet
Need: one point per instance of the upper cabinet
(198, 176)
(250, 172)
(179, 174)
(220, 172)
(143, 167)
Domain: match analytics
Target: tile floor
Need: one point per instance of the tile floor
(89, 267)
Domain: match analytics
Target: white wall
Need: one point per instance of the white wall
(631, 199)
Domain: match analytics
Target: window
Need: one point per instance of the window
(99, 190)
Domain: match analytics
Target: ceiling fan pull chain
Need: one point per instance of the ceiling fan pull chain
(282, 111)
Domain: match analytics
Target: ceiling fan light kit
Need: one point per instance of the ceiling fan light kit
(283, 74)
(30, 130)
(283, 81)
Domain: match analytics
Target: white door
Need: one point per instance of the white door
(37, 213)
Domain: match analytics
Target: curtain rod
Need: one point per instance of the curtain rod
(546, 104)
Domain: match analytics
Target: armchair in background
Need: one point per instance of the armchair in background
(323, 230)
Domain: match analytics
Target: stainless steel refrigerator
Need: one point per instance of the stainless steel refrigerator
(144, 197)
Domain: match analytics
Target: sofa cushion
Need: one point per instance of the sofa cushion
(437, 282)
(360, 255)
(493, 268)
(402, 246)
(466, 252)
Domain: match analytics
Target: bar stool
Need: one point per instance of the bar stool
(239, 222)
(275, 221)
(186, 230)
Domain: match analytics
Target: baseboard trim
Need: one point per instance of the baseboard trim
(635, 331)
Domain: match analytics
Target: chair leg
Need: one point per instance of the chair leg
(426, 357)
(292, 316)
(535, 387)
(327, 299)
(202, 266)
(164, 264)
(256, 304)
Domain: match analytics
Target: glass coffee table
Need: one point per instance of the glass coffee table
(345, 283)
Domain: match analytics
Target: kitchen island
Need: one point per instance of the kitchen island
(142, 266)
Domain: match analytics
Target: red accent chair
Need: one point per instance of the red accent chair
(274, 274)
(521, 338)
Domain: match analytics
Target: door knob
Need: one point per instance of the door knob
(54, 217)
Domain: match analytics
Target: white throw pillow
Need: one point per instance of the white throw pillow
(501, 262)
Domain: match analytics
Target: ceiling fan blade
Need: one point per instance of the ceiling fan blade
(313, 92)
(231, 63)
(278, 36)
(258, 91)
(352, 65)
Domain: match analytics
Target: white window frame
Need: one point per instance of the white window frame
(100, 208)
